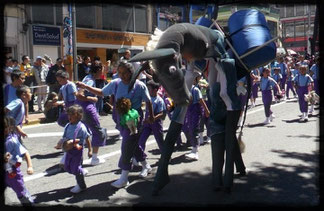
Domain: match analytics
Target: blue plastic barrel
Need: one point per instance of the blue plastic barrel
(248, 30)
(202, 21)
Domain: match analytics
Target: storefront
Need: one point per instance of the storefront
(46, 40)
(105, 44)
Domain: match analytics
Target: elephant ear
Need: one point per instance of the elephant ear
(155, 54)
(136, 73)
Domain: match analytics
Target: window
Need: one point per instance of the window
(85, 16)
(289, 30)
(59, 14)
(43, 13)
(117, 17)
(273, 28)
(282, 12)
(140, 19)
(300, 29)
(290, 11)
(164, 24)
(312, 9)
(300, 10)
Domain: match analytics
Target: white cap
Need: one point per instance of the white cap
(39, 57)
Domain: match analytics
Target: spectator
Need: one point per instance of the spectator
(84, 68)
(51, 81)
(8, 70)
(26, 67)
(40, 70)
(15, 65)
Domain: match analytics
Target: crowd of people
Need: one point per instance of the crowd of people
(76, 107)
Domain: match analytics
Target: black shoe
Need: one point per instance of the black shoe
(217, 189)
(228, 190)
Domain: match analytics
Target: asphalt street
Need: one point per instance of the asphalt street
(282, 160)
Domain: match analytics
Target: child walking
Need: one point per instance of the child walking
(159, 110)
(195, 112)
(67, 93)
(74, 137)
(14, 152)
(304, 84)
(129, 147)
(266, 84)
(290, 78)
(87, 101)
(16, 109)
(278, 78)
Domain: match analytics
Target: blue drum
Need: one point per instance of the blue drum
(249, 29)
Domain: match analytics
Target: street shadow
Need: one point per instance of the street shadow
(180, 159)
(47, 156)
(302, 136)
(272, 185)
(292, 120)
(56, 169)
(53, 195)
(112, 140)
(259, 125)
(292, 101)
(155, 152)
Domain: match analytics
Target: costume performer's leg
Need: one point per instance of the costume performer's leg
(162, 178)
(218, 149)
(232, 118)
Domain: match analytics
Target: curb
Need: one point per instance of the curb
(33, 122)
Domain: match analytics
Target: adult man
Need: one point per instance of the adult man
(84, 68)
(51, 81)
(40, 70)
(30, 79)
(283, 70)
(8, 70)
(18, 79)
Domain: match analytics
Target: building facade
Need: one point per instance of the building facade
(101, 29)
(297, 26)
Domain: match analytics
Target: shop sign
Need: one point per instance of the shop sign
(44, 35)
(104, 37)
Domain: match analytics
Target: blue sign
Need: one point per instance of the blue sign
(44, 35)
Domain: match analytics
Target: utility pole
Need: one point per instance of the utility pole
(315, 32)
(75, 61)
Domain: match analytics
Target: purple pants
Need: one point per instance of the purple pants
(204, 120)
(267, 99)
(73, 165)
(243, 99)
(283, 82)
(194, 111)
(157, 129)
(130, 146)
(63, 119)
(275, 91)
(316, 86)
(73, 161)
(17, 183)
(255, 88)
(303, 105)
(290, 87)
(91, 120)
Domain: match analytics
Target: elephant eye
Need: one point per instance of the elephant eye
(172, 69)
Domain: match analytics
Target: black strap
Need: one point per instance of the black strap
(248, 81)
(247, 26)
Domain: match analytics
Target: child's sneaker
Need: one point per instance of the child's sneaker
(97, 161)
(145, 171)
(267, 121)
(76, 189)
(192, 156)
(120, 183)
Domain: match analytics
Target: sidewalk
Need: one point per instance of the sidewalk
(35, 117)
